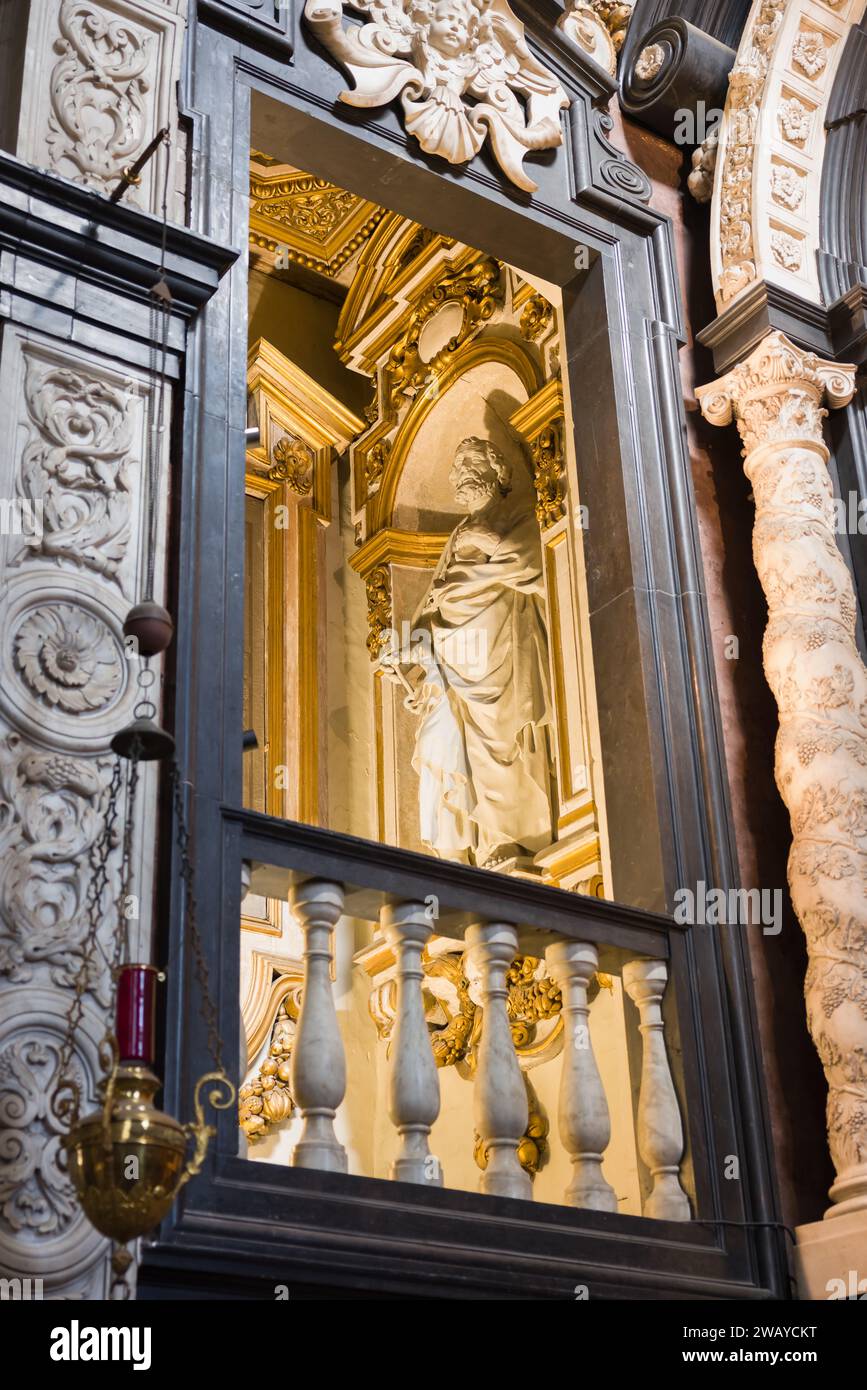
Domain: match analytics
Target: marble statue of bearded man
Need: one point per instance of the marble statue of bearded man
(482, 746)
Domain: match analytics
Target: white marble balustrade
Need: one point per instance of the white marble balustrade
(500, 1100)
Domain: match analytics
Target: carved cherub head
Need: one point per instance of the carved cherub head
(479, 473)
(449, 27)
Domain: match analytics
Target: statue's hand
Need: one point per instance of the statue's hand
(432, 602)
(390, 665)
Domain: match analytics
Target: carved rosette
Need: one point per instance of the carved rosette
(820, 685)
(536, 317)
(68, 658)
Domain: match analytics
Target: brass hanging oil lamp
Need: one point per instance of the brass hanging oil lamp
(127, 1160)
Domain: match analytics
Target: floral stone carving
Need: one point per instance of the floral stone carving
(52, 810)
(69, 658)
(35, 1193)
(462, 69)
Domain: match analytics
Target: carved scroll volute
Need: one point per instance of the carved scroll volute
(820, 685)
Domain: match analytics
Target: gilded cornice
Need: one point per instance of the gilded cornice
(320, 225)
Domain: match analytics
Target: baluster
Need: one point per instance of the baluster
(500, 1096)
(318, 1065)
(585, 1126)
(414, 1088)
(660, 1130)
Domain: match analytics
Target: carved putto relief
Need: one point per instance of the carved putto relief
(462, 69)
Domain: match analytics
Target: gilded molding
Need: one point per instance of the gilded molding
(315, 223)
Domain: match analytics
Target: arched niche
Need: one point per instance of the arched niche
(495, 387)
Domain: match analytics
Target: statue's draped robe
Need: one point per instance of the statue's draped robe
(481, 752)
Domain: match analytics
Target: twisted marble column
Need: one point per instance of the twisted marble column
(820, 685)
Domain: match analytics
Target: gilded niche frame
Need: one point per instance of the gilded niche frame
(239, 1227)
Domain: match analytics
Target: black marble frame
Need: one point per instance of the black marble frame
(241, 1227)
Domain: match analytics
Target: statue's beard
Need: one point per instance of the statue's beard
(474, 496)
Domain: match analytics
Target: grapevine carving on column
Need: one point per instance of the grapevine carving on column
(820, 685)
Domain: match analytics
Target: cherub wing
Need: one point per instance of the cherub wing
(369, 52)
(504, 56)
(506, 67)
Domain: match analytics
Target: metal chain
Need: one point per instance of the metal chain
(97, 887)
(207, 1007)
(160, 316)
(121, 938)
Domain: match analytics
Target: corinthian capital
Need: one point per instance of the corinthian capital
(776, 396)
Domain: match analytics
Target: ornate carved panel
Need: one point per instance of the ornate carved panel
(77, 427)
(99, 83)
(765, 215)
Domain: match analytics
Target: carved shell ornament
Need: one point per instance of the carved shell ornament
(462, 69)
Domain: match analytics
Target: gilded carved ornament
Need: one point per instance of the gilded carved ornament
(378, 586)
(548, 474)
(292, 464)
(462, 70)
(536, 317)
(267, 1099)
(308, 220)
(819, 682)
(479, 288)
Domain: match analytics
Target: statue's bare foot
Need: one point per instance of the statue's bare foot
(502, 854)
